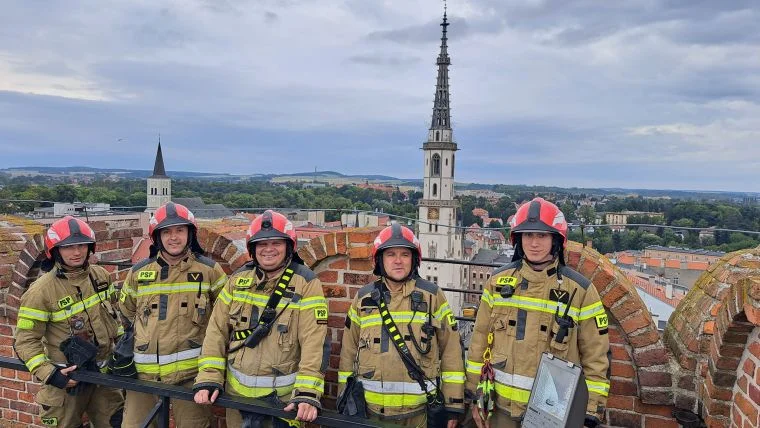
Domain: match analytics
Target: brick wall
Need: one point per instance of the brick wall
(706, 353)
(745, 410)
(21, 251)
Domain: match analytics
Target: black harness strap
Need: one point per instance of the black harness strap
(269, 313)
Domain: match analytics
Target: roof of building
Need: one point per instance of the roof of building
(202, 210)
(685, 250)
(158, 167)
(485, 256)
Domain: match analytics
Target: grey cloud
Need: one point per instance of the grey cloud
(460, 28)
(271, 17)
(390, 61)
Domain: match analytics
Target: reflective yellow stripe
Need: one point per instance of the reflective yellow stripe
(259, 300)
(167, 369)
(35, 361)
(354, 316)
(171, 288)
(394, 400)
(79, 307)
(398, 317)
(511, 393)
(452, 377)
(255, 392)
(310, 303)
(487, 298)
(219, 283)
(224, 297)
(601, 388)
(440, 314)
(591, 311)
(212, 363)
(119, 330)
(343, 376)
(310, 382)
(33, 314)
(474, 367)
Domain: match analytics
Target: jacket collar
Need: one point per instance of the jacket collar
(547, 272)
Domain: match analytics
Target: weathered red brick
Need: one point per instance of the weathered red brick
(619, 418)
(361, 236)
(746, 406)
(623, 387)
(357, 279)
(655, 378)
(637, 321)
(619, 352)
(622, 370)
(339, 306)
(318, 246)
(361, 265)
(716, 392)
(363, 252)
(338, 264)
(614, 294)
(654, 422)
(650, 357)
(328, 276)
(336, 321)
(334, 291)
(329, 241)
(620, 402)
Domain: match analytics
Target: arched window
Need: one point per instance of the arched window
(437, 135)
(435, 168)
(435, 189)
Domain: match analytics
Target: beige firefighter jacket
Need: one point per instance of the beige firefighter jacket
(368, 351)
(291, 360)
(523, 327)
(169, 307)
(57, 306)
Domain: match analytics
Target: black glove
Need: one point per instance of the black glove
(208, 386)
(58, 379)
(591, 421)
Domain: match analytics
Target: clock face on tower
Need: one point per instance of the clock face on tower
(433, 214)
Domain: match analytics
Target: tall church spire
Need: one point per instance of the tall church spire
(441, 109)
(158, 168)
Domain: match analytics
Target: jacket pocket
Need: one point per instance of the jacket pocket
(50, 396)
(556, 348)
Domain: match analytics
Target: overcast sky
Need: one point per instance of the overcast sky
(635, 94)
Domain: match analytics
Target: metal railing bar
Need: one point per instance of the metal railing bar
(327, 417)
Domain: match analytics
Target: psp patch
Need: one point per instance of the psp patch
(321, 315)
(602, 321)
(558, 295)
(147, 275)
(51, 422)
(506, 280)
(195, 277)
(65, 302)
(243, 282)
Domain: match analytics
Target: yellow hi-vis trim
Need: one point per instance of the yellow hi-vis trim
(394, 400)
(452, 377)
(601, 388)
(167, 369)
(310, 382)
(212, 363)
(256, 392)
(35, 361)
(511, 393)
(343, 376)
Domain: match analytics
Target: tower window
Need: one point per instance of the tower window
(435, 189)
(437, 136)
(435, 169)
(452, 164)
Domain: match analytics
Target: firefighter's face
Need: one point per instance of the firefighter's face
(537, 246)
(174, 239)
(271, 254)
(74, 255)
(397, 263)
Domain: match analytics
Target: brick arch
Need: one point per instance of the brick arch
(709, 331)
(225, 241)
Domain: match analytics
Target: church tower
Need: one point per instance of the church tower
(159, 184)
(439, 236)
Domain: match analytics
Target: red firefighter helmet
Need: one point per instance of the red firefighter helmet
(538, 215)
(170, 214)
(394, 236)
(271, 225)
(68, 231)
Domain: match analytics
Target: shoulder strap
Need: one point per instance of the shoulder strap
(269, 313)
(415, 372)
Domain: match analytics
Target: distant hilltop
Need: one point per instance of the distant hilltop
(337, 178)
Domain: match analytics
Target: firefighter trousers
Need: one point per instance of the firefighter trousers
(186, 414)
(102, 405)
(416, 421)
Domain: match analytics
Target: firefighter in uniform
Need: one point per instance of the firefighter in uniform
(520, 315)
(267, 337)
(168, 298)
(427, 327)
(69, 307)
